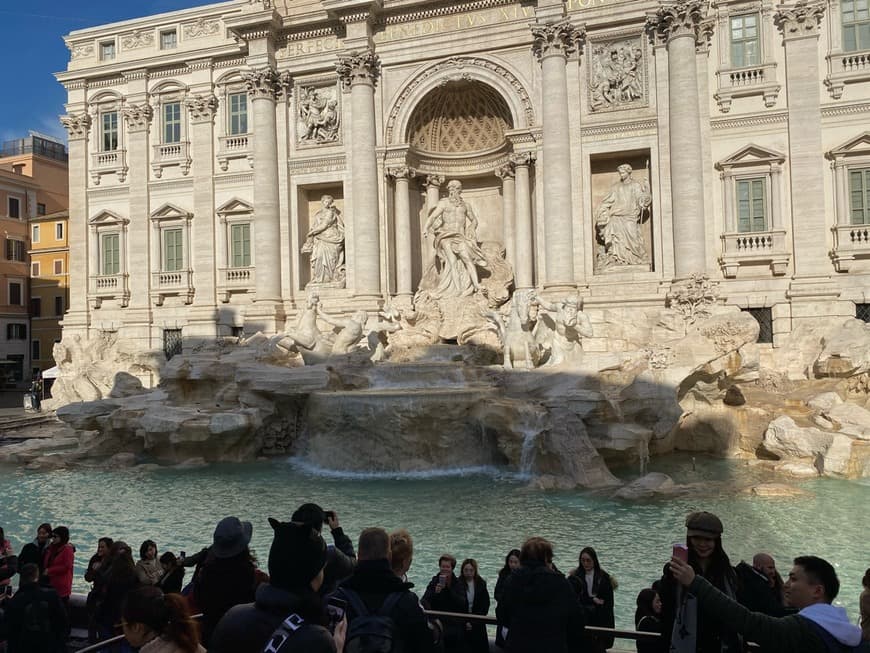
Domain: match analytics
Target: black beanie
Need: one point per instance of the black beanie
(297, 555)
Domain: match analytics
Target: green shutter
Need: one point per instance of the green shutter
(859, 192)
(751, 205)
(111, 254)
(173, 255)
(241, 245)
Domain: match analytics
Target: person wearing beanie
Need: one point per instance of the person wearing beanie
(340, 557)
(297, 559)
(686, 628)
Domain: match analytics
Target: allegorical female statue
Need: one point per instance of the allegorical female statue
(618, 220)
(325, 244)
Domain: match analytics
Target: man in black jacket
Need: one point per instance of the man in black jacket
(36, 621)
(340, 558)
(758, 589)
(296, 561)
(373, 581)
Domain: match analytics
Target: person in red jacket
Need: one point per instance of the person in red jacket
(58, 563)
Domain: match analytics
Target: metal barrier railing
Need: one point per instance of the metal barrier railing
(117, 639)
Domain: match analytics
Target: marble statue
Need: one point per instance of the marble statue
(454, 225)
(353, 329)
(318, 116)
(616, 75)
(516, 331)
(379, 332)
(305, 335)
(561, 327)
(325, 244)
(618, 220)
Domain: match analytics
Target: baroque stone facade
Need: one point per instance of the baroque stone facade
(202, 142)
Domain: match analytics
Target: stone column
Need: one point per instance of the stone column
(402, 214)
(263, 88)
(508, 211)
(82, 253)
(775, 196)
(800, 30)
(524, 266)
(552, 43)
(678, 23)
(841, 179)
(433, 190)
(358, 71)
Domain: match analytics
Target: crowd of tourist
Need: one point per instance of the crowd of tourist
(319, 598)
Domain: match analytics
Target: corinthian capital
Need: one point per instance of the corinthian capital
(138, 116)
(358, 68)
(263, 83)
(202, 107)
(801, 19)
(400, 172)
(556, 39)
(76, 124)
(434, 180)
(506, 171)
(678, 18)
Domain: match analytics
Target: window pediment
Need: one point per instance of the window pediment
(106, 219)
(860, 146)
(170, 212)
(234, 206)
(751, 155)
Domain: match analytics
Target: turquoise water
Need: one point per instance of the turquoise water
(479, 514)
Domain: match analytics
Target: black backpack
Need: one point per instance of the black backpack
(832, 644)
(372, 633)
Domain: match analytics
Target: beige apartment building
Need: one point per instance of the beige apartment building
(203, 141)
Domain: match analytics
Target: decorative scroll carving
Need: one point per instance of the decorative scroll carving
(76, 124)
(139, 39)
(556, 39)
(138, 116)
(677, 18)
(202, 108)
(506, 171)
(401, 172)
(358, 68)
(801, 19)
(202, 27)
(81, 50)
(319, 115)
(263, 83)
(617, 75)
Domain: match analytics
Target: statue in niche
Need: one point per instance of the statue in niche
(616, 74)
(618, 221)
(325, 244)
(561, 327)
(458, 254)
(352, 330)
(318, 117)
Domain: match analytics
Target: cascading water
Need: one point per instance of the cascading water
(527, 455)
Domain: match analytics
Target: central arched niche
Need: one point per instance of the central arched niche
(460, 117)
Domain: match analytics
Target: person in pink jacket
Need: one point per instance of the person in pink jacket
(58, 563)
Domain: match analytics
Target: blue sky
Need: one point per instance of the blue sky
(34, 50)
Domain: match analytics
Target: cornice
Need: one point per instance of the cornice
(845, 110)
(612, 128)
(444, 10)
(771, 118)
(334, 163)
(120, 191)
(234, 178)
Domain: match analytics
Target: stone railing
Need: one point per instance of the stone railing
(235, 280)
(846, 68)
(239, 146)
(108, 286)
(171, 284)
(171, 154)
(754, 248)
(106, 163)
(851, 241)
(746, 82)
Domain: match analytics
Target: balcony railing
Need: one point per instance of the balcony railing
(239, 146)
(745, 82)
(851, 241)
(236, 280)
(175, 283)
(846, 68)
(108, 286)
(754, 248)
(171, 154)
(106, 163)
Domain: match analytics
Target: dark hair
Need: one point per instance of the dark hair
(588, 550)
(866, 580)
(108, 541)
(28, 573)
(44, 527)
(401, 549)
(645, 605)
(449, 558)
(473, 563)
(143, 548)
(504, 571)
(536, 549)
(311, 514)
(822, 572)
(374, 544)
(165, 614)
(720, 567)
(168, 558)
(120, 563)
(62, 532)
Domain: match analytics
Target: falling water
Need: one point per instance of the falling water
(643, 454)
(527, 457)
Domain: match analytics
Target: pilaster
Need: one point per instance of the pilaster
(402, 215)
(78, 126)
(525, 258)
(507, 174)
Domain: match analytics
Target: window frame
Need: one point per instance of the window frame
(35, 349)
(176, 123)
(40, 208)
(864, 172)
(103, 272)
(103, 47)
(36, 307)
(231, 259)
(9, 203)
(753, 181)
(114, 129)
(35, 269)
(20, 284)
(11, 331)
(15, 248)
(176, 262)
(34, 233)
(173, 32)
(59, 231)
(62, 300)
(233, 114)
(743, 41)
(57, 263)
(855, 24)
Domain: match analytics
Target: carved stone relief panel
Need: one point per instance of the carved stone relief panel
(617, 73)
(318, 115)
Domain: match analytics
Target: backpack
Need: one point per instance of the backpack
(832, 644)
(283, 632)
(372, 633)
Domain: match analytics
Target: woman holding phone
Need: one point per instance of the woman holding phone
(441, 596)
(684, 627)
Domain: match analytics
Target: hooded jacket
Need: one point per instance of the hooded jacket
(58, 566)
(790, 634)
(246, 628)
(540, 612)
